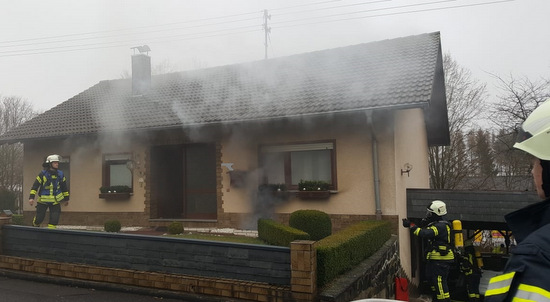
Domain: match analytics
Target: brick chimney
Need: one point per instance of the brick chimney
(141, 73)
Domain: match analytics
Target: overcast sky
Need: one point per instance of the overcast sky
(52, 50)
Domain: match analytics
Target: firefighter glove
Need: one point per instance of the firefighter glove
(406, 223)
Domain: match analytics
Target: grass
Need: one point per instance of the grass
(225, 238)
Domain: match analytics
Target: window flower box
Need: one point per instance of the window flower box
(115, 196)
(311, 195)
(313, 189)
(115, 192)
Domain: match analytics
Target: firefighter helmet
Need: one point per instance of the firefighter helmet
(534, 134)
(438, 208)
(52, 158)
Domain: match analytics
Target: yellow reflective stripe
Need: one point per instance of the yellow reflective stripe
(436, 232)
(531, 293)
(417, 231)
(441, 294)
(500, 284)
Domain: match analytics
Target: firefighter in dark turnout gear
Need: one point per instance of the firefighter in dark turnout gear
(440, 255)
(51, 187)
(525, 276)
(472, 272)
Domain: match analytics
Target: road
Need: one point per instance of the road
(26, 288)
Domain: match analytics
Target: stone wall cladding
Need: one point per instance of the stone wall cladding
(247, 290)
(373, 276)
(267, 264)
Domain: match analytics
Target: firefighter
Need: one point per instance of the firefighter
(51, 187)
(469, 267)
(525, 276)
(440, 255)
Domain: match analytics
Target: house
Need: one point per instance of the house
(195, 146)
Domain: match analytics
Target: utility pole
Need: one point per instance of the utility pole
(267, 29)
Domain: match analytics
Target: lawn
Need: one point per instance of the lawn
(217, 237)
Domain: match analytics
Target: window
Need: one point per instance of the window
(117, 170)
(288, 164)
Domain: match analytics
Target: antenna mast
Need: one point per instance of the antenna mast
(267, 29)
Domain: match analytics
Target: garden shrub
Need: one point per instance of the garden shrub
(175, 228)
(17, 219)
(316, 223)
(275, 233)
(342, 251)
(112, 226)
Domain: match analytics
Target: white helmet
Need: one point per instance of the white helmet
(534, 135)
(52, 158)
(438, 207)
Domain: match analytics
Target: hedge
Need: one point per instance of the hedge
(342, 251)
(316, 223)
(276, 233)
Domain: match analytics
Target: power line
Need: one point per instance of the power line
(140, 38)
(121, 45)
(387, 14)
(217, 33)
(127, 29)
(149, 26)
(371, 10)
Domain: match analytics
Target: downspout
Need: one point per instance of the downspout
(375, 173)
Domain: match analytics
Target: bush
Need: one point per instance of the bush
(342, 251)
(316, 223)
(276, 233)
(17, 219)
(175, 228)
(112, 226)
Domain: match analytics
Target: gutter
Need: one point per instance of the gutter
(376, 176)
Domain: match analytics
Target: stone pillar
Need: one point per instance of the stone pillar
(303, 263)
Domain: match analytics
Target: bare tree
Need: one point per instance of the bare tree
(518, 98)
(14, 111)
(466, 99)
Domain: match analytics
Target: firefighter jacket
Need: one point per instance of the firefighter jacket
(525, 277)
(50, 186)
(439, 235)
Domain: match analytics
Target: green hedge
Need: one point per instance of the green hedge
(112, 226)
(276, 233)
(316, 223)
(342, 251)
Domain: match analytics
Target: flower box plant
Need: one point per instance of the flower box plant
(313, 189)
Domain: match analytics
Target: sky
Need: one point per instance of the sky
(52, 50)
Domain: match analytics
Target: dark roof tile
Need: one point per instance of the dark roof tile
(389, 73)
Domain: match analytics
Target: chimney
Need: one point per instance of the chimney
(141, 73)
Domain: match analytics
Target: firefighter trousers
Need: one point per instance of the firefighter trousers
(437, 273)
(41, 208)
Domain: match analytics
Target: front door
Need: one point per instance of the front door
(183, 182)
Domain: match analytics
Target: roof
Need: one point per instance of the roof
(477, 210)
(396, 73)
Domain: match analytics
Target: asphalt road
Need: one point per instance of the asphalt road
(17, 287)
